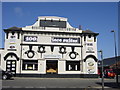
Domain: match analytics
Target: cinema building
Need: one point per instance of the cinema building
(50, 48)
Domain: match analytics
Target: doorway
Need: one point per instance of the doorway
(51, 66)
(11, 66)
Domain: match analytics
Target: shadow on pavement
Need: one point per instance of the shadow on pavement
(110, 85)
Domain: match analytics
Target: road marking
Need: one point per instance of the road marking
(17, 87)
(29, 87)
(100, 87)
(40, 87)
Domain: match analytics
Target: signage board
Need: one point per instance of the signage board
(52, 56)
(90, 67)
(65, 40)
(30, 38)
(53, 23)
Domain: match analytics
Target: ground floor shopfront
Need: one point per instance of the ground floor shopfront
(50, 67)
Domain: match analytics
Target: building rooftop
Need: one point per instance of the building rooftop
(61, 21)
(110, 61)
(14, 28)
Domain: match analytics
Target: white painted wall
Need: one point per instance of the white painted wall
(46, 39)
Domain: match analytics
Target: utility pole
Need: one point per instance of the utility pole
(101, 53)
(115, 56)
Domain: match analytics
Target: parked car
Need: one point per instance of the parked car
(109, 73)
(99, 73)
(6, 74)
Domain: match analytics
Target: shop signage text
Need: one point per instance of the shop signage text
(52, 56)
(30, 38)
(65, 40)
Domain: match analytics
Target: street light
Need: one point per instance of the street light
(101, 53)
(115, 56)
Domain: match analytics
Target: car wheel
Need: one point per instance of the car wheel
(4, 77)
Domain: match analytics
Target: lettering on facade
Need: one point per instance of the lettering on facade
(30, 38)
(52, 56)
(65, 40)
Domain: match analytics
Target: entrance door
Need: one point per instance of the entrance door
(52, 66)
(11, 66)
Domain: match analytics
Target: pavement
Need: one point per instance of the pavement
(59, 83)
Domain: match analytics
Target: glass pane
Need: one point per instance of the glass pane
(72, 65)
(30, 65)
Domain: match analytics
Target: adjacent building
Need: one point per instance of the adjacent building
(110, 63)
(50, 47)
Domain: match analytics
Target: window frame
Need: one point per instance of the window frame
(73, 65)
(27, 63)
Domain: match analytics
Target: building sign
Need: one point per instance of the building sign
(90, 67)
(52, 56)
(52, 23)
(30, 38)
(65, 40)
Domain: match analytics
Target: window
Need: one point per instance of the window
(18, 35)
(89, 44)
(13, 33)
(12, 36)
(89, 36)
(72, 65)
(30, 65)
(94, 38)
(7, 35)
(84, 38)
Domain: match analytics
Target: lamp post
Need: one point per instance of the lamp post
(101, 53)
(115, 56)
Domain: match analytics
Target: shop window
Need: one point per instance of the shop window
(72, 65)
(30, 65)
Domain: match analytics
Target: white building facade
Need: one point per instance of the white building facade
(50, 48)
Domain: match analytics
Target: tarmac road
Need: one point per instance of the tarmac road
(24, 82)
